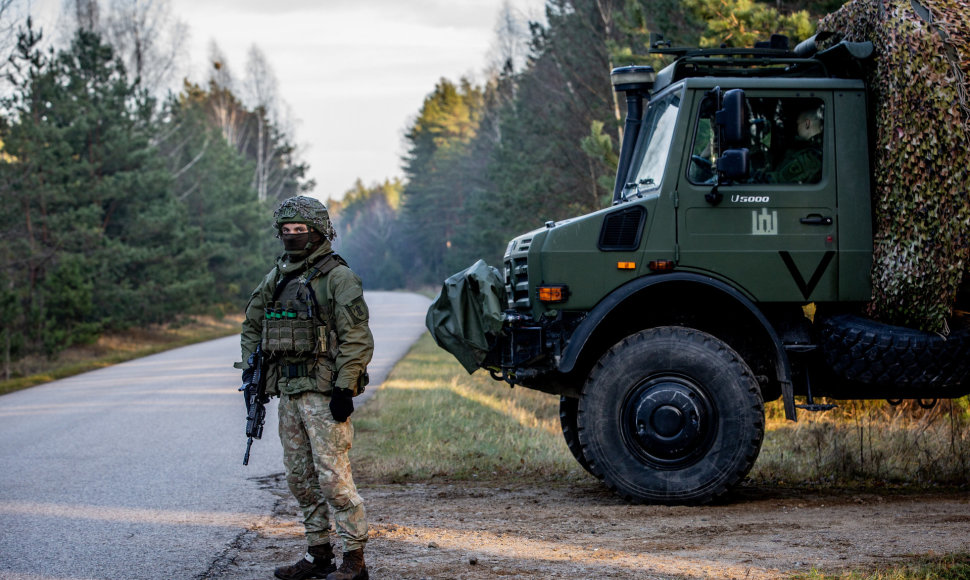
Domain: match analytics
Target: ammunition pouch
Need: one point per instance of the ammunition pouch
(326, 337)
(287, 332)
(300, 335)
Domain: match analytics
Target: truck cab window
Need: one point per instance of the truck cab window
(702, 159)
(657, 132)
(784, 141)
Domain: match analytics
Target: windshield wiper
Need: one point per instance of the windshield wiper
(637, 184)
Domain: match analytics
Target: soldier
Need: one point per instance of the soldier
(310, 316)
(802, 162)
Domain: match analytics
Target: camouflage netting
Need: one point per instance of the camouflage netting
(921, 84)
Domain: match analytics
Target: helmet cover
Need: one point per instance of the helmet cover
(303, 209)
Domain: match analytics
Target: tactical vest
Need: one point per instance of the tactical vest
(294, 324)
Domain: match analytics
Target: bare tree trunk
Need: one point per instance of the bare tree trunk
(87, 14)
(149, 39)
(260, 160)
(605, 10)
(261, 89)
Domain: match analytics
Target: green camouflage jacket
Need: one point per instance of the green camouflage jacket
(341, 289)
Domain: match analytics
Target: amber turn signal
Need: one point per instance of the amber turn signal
(551, 294)
(626, 265)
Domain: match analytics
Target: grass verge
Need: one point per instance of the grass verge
(111, 349)
(949, 567)
(438, 422)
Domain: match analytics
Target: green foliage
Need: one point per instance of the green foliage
(91, 218)
(921, 153)
(368, 231)
(600, 147)
(232, 229)
(741, 23)
(68, 297)
(119, 212)
(436, 190)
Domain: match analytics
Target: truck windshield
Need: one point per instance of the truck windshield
(656, 134)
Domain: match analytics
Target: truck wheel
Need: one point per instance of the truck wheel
(863, 350)
(671, 415)
(568, 411)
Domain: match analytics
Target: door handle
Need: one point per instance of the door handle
(815, 219)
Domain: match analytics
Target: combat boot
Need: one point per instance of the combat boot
(316, 563)
(352, 568)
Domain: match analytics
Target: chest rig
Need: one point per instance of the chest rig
(295, 325)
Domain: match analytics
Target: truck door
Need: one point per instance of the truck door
(772, 233)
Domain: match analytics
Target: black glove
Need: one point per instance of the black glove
(248, 375)
(341, 404)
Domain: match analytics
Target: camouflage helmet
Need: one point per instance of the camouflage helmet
(302, 209)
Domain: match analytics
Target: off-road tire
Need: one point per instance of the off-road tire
(671, 415)
(866, 351)
(568, 412)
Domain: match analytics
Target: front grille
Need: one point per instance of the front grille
(517, 276)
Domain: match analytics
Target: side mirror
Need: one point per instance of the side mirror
(734, 165)
(730, 118)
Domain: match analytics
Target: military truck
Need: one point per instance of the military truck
(731, 268)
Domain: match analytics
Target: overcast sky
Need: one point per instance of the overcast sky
(353, 72)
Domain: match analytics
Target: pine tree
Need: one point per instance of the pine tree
(435, 192)
(101, 240)
(369, 233)
(213, 181)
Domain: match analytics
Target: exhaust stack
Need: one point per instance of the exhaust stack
(636, 82)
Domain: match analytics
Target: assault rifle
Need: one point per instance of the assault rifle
(254, 391)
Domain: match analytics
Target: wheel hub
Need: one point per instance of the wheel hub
(669, 421)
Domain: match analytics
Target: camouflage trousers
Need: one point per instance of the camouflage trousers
(318, 469)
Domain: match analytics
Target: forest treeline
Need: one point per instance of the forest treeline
(121, 207)
(537, 140)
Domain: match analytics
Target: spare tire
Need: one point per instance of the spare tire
(863, 350)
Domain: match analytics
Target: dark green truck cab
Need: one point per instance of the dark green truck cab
(728, 271)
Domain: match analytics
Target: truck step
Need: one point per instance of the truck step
(816, 407)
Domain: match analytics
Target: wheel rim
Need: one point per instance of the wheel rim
(668, 422)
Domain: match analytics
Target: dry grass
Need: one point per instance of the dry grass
(114, 348)
(948, 567)
(433, 420)
(869, 444)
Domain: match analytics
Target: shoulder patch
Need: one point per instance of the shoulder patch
(358, 310)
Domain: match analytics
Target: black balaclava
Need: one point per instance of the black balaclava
(299, 246)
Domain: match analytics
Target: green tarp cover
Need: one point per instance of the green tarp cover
(467, 311)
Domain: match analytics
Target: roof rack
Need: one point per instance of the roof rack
(776, 47)
(765, 59)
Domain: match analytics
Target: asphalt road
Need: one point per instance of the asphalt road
(135, 471)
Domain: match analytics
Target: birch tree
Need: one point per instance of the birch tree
(261, 91)
(149, 38)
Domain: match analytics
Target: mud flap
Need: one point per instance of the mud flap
(467, 312)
